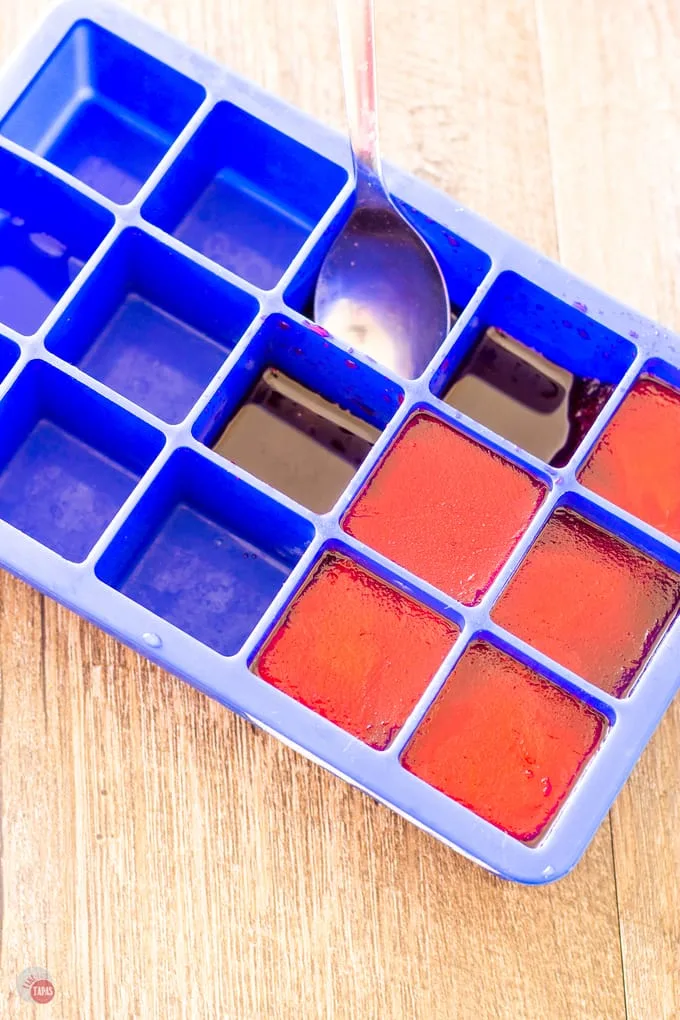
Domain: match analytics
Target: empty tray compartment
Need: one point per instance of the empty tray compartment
(68, 459)
(245, 195)
(9, 355)
(152, 325)
(297, 413)
(47, 232)
(533, 369)
(103, 110)
(205, 551)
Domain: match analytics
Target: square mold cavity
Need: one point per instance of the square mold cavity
(445, 507)
(47, 232)
(103, 110)
(636, 461)
(504, 741)
(205, 551)
(68, 459)
(463, 265)
(356, 650)
(533, 369)
(9, 355)
(298, 413)
(245, 195)
(152, 325)
(590, 600)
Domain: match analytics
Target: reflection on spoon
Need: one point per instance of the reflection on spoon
(379, 288)
(362, 329)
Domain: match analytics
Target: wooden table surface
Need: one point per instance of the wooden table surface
(162, 858)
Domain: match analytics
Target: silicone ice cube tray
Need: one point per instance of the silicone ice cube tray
(478, 639)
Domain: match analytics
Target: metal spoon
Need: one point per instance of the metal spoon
(380, 288)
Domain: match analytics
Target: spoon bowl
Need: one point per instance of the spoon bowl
(380, 288)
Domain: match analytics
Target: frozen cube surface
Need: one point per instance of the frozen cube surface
(356, 650)
(636, 463)
(445, 507)
(103, 110)
(590, 601)
(504, 741)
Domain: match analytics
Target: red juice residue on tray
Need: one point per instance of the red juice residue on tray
(586, 402)
(504, 742)
(590, 601)
(445, 507)
(636, 463)
(356, 650)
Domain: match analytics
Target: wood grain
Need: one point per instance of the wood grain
(163, 859)
(613, 102)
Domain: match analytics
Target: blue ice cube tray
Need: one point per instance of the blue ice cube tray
(162, 222)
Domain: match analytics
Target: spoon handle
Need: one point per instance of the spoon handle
(356, 24)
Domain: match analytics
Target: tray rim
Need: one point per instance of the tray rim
(76, 585)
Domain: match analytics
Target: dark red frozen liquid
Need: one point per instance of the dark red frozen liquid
(636, 463)
(445, 507)
(356, 650)
(589, 601)
(504, 742)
